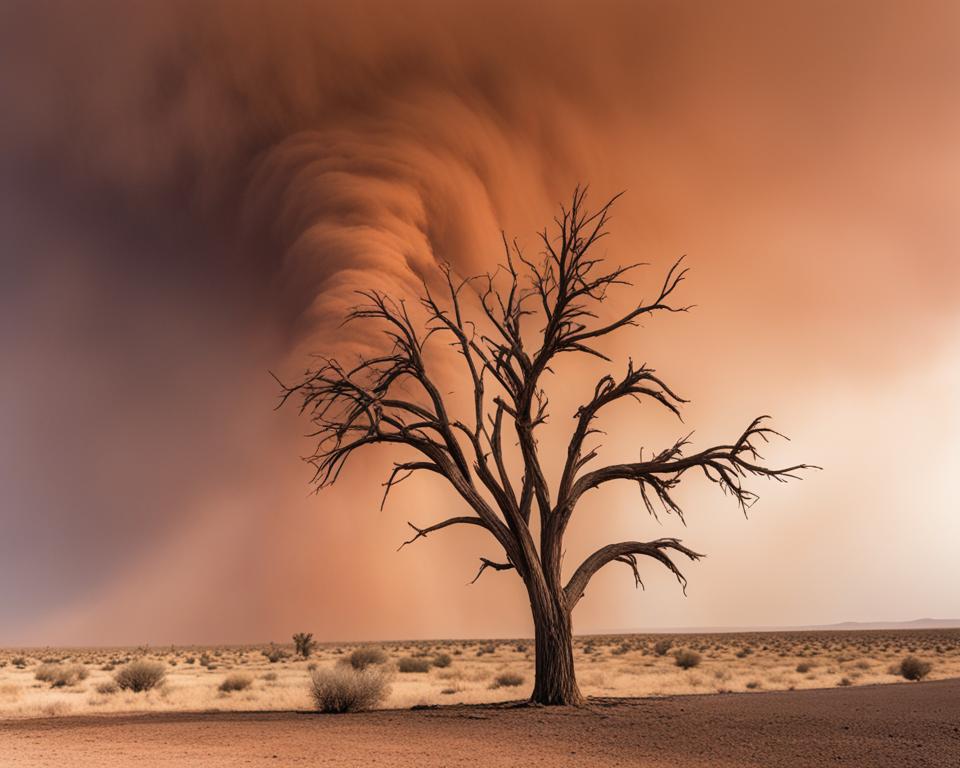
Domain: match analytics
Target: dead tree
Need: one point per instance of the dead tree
(393, 398)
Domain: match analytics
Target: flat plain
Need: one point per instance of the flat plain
(450, 672)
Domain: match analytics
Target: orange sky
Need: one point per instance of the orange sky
(190, 191)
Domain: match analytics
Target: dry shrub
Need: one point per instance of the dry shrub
(507, 680)
(362, 658)
(304, 643)
(913, 668)
(442, 660)
(687, 659)
(61, 675)
(270, 677)
(140, 675)
(275, 653)
(108, 687)
(662, 646)
(803, 667)
(410, 664)
(343, 689)
(236, 682)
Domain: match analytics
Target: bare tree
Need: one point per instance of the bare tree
(393, 398)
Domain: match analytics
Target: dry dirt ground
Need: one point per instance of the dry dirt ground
(890, 725)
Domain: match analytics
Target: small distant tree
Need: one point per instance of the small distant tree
(304, 643)
(393, 398)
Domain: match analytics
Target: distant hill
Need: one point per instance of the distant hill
(915, 624)
(844, 626)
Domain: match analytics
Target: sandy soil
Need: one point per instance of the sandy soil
(891, 725)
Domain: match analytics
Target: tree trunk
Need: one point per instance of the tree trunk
(556, 681)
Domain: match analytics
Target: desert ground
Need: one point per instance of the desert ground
(425, 673)
(906, 725)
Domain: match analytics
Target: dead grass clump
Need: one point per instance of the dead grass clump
(270, 677)
(107, 687)
(913, 668)
(687, 659)
(411, 664)
(140, 675)
(442, 660)
(362, 658)
(61, 675)
(803, 667)
(507, 680)
(344, 689)
(236, 682)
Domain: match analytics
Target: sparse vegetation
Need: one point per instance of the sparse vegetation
(780, 661)
(362, 658)
(507, 680)
(346, 689)
(304, 644)
(442, 660)
(140, 675)
(661, 647)
(687, 659)
(275, 653)
(236, 682)
(411, 664)
(61, 675)
(915, 669)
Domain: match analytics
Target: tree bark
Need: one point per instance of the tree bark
(556, 681)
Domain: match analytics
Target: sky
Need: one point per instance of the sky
(190, 193)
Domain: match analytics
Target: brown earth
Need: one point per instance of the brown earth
(890, 725)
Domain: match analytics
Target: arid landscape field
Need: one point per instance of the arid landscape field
(61, 682)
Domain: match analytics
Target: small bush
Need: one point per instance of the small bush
(236, 682)
(913, 668)
(270, 677)
(107, 687)
(19, 662)
(442, 660)
(662, 646)
(304, 643)
(410, 664)
(845, 681)
(61, 675)
(507, 680)
(275, 653)
(343, 689)
(803, 667)
(687, 659)
(362, 658)
(140, 675)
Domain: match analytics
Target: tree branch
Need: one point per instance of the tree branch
(626, 552)
(485, 563)
(422, 532)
